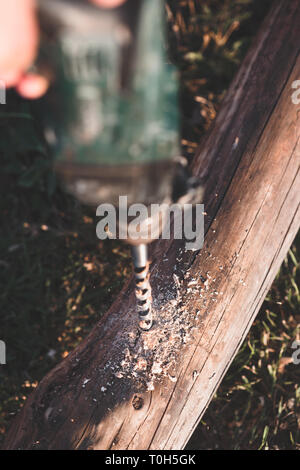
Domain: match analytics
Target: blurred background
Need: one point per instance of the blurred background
(57, 279)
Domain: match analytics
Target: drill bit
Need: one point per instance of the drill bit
(142, 288)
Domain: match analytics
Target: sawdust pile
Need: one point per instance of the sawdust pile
(149, 357)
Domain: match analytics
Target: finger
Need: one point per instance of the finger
(18, 38)
(10, 77)
(108, 3)
(32, 86)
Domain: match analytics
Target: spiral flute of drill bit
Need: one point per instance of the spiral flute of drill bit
(142, 288)
(143, 296)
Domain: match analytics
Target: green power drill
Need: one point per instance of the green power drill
(111, 115)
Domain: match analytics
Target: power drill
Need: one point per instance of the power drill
(111, 114)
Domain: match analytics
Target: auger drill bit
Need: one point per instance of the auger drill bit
(142, 288)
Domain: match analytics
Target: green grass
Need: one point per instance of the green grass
(57, 279)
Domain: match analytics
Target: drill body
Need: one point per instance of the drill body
(110, 116)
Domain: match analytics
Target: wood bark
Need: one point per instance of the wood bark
(126, 389)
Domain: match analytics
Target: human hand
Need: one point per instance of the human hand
(19, 39)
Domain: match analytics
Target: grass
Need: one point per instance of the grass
(57, 279)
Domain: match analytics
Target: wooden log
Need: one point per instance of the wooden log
(126, 389)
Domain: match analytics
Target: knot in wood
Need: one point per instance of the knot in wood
(137, 402)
